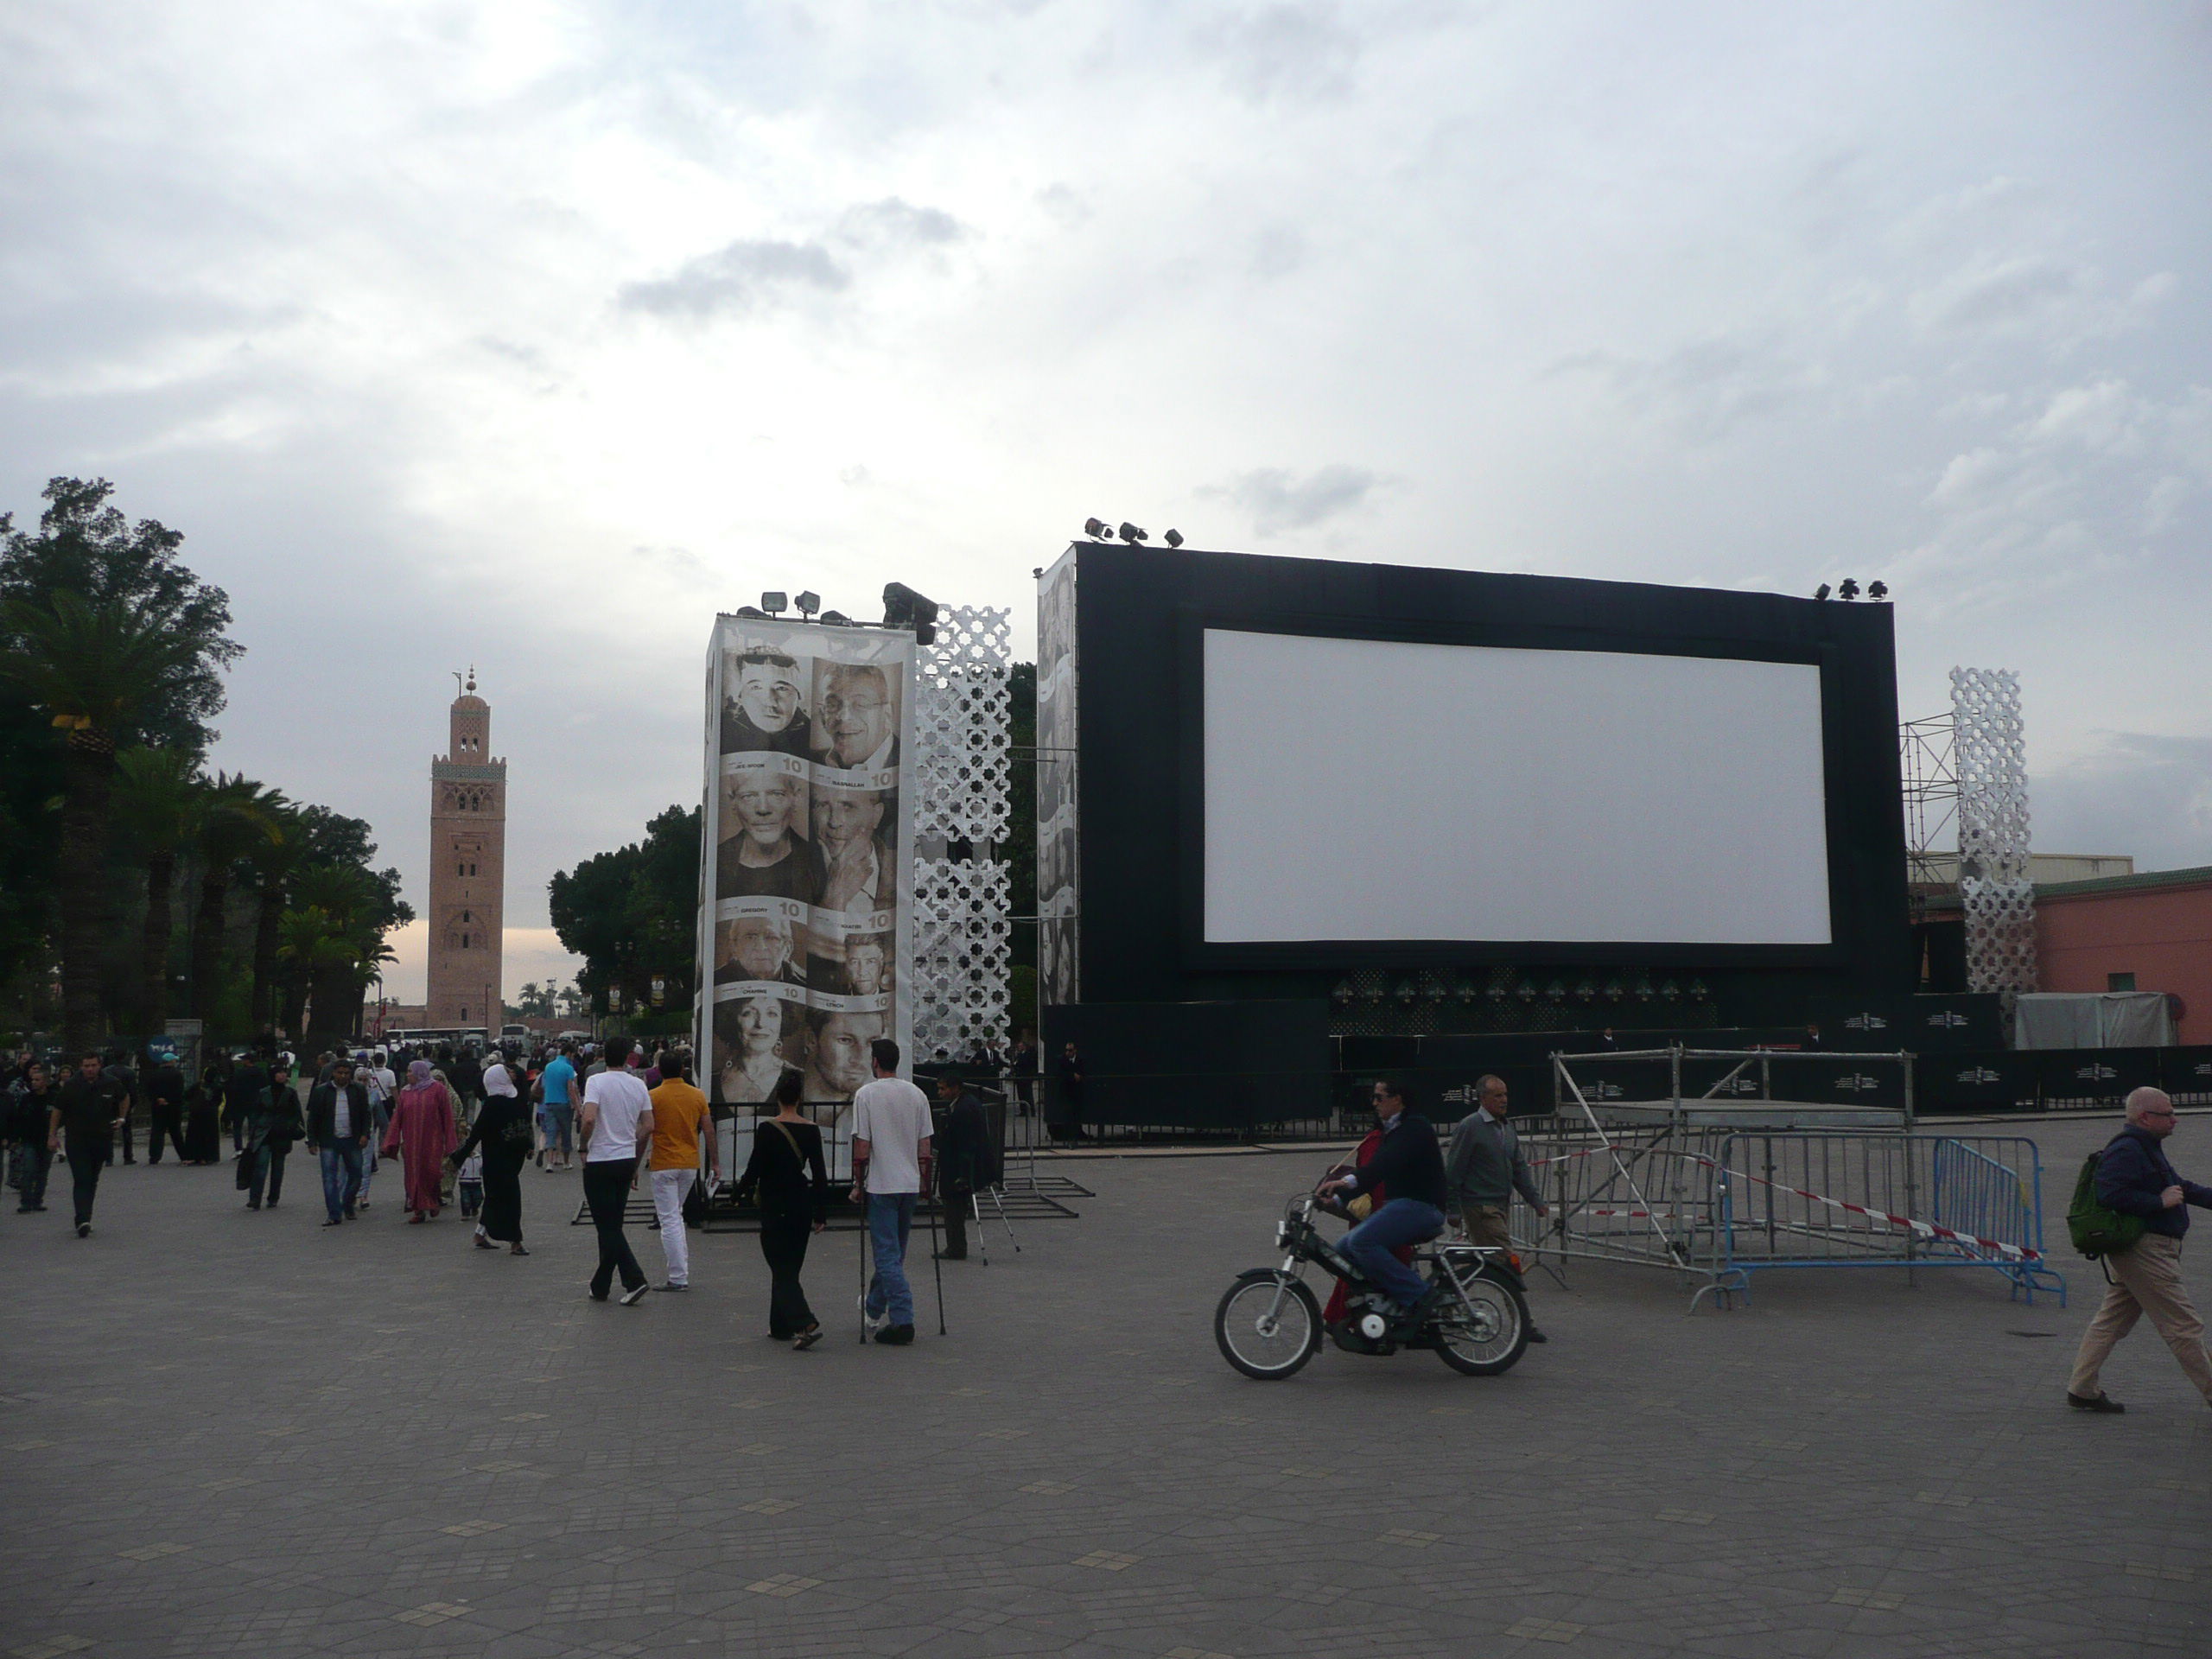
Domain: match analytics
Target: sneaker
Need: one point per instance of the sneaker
(2103, 1401)
(350, 1216)
(631, 1298)
(874, 1322)
(335, 1221)
(897, 1335)
(252, 1205)
(1535, 1335)
(596, 1295)
(671, 1285)
(949, 1256)
(807, 1338)
(84, 1230)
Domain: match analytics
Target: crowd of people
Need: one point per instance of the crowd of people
(462, 1125)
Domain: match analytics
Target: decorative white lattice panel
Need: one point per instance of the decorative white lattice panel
(1989, 755)
(961, 710)
(963, 949)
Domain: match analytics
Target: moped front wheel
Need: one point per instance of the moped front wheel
(1267, 1324)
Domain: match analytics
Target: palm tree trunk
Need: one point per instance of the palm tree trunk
(154, 951)
(80, 879)
(328, 1010)
(208, 941)
(264, 956)
(292, 1000)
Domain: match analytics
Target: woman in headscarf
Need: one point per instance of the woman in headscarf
(422, 1134)
(502, 1134)
(203, 1121)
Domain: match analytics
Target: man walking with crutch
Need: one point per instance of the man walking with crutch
(890, 1170)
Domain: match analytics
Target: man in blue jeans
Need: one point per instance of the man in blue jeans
(339, 1126)
(1411, 1164)
(890, 1171)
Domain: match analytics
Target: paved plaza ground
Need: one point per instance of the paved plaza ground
(226, 1433)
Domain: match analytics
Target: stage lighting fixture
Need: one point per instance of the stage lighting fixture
(808, 604)
(1821, 592)
(1095, 529)
(1174, 538)
(1129, 533)
(1847, 589)
(1878, 590)
(775, 604)
(837, 619)
(904, 608)
(753, 611)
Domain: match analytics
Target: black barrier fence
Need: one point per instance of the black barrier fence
(1286, 1105)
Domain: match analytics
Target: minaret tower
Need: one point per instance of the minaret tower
(468, 861)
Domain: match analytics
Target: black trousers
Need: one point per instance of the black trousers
(86, 1153)
(269, 1166)
(954, 1200)
(782, 1244)
(607, 1192)
(167, 1126)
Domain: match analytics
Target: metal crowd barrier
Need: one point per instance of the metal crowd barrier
(1717, 1189)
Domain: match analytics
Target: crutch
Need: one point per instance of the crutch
(937, 1262)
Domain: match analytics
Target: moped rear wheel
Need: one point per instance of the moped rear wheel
(1267, 1324)
(1486, 1336)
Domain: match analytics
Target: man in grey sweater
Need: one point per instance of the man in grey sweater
(1484, 1168)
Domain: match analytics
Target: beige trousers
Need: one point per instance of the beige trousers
(2146, 1279)
(1485, 1224)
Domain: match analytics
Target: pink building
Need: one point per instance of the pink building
(2146, 932)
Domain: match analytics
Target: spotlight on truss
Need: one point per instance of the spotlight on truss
(1878, 590)
(808, 604)
(1095, 529)
(1132, 534)
(775, 604)
(1847, 589)
(904, 608)
(1174, 538)
(1821, 592)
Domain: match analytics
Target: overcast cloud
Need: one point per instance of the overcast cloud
(530, 333)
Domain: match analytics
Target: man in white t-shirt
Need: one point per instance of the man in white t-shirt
(890, 1170)
(616, 1127)
(383, 1087)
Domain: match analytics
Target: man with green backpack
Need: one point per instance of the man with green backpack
(2134, 1183)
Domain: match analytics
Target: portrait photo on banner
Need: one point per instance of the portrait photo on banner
(805, 933)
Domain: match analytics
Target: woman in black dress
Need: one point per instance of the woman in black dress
(786, 1171)
(502, 1134)
(203, 1121)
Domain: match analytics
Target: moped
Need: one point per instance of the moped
(1268, 1322)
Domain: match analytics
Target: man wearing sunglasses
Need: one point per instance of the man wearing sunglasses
(2134, 1178)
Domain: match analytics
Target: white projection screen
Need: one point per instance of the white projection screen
(1379, 790)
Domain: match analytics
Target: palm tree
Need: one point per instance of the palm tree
(157, 801)
(273, 863)
(330, 935)
(93, 666)
(238, 815)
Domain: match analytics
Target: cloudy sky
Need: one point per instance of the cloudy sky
(530, 333)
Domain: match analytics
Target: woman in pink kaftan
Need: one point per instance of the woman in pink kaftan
(422, 1133)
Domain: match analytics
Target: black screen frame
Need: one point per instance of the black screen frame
(1194, 619)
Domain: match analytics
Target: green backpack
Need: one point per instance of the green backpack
(2096, 1228)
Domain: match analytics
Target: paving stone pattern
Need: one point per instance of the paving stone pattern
(226, 1433)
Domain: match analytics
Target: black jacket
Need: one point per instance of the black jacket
(89, 1108)
(2132, 1174)
(322, 1112)
(963, 1145)
(1408, 1162)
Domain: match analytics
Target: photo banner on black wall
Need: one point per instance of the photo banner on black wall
(1059, 880)
(806, 931)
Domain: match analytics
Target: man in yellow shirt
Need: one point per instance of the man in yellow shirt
(680, 1114)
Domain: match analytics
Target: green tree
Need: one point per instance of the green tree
(93, 666)
(157, 799)
(633, 914)
(236, 814)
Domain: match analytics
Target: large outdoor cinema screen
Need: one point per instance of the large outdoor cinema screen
(1367, 790)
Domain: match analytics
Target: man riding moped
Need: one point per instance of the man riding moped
(1411, 1165)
